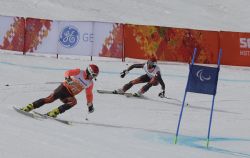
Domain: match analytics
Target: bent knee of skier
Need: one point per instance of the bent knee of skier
(154, 82)
(70, 101)
(49, 99)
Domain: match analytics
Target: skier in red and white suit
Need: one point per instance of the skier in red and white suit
(152, 78)
(76, 80)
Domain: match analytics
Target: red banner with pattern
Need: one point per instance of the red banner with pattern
(170, 44)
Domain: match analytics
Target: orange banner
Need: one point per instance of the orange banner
(170, 44)
(236, 48)
(13, 39)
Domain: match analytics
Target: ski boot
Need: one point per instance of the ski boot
(28, 108)
(53, 113)
(138, 94)
(118, 91)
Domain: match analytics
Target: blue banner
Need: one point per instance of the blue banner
(202, 79)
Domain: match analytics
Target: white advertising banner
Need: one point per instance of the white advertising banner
(102, 32)
(75, 38)
(5, 23)
(49, 43)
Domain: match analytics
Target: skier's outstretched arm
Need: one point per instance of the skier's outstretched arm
(124, 72)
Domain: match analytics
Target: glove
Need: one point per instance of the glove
(69, 80)
(91, 108)
(123, 73)
(162, 94)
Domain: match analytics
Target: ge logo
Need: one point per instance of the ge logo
(69, 36)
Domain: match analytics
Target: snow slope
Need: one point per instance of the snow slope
(121, 126)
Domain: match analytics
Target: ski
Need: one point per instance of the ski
(112, 92)
(37, 115)
(26, 113)
(125, 94)
(134, 95)
(130, 95)
(52, 118)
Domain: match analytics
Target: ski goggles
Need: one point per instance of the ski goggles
(91, 73)
(151, 64)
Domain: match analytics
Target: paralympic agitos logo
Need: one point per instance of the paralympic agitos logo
(202, 76)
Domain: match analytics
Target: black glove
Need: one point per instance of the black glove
(123, 73)
(69, 80)
(162, 94)
(91, 108)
